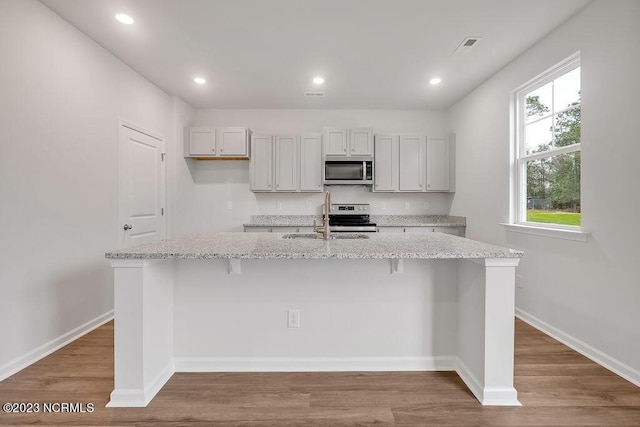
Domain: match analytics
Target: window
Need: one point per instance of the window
(547, 148)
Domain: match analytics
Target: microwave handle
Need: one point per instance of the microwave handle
(364, 170)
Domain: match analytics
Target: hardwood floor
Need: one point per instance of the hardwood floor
(557, 387)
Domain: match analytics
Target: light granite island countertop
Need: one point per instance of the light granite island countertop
(216, 302)
(233, 245)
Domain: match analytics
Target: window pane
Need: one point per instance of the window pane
(566, 129)
(538, 102)
(538, 136)
(566, 90)
(553, 189)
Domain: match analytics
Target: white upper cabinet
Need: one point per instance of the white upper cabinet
(414, 163)
(202, 142)
(311, 163)
(286, 163)
(361, 142)
(386, 163)
(412, 157)
(348, 142)
(438, 164)
(209, 142)
(232, 142)
(335, 141)
(261, 163)
(286, 160)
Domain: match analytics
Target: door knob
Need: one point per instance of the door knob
(127, 227)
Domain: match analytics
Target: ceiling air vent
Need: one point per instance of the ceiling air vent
(466, 45)
(314, 94)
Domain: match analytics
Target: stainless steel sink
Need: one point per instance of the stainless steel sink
(331, 236)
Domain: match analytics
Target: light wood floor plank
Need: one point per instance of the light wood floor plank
(557, 386)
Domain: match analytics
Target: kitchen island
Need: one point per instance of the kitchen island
(166, 300)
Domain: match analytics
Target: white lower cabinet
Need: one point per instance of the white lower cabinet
(286, 163)
(278, 229)
(456, 231)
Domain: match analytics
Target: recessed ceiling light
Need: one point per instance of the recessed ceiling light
(125, 19)
(435, 81)
(318, 80)
(199, 80)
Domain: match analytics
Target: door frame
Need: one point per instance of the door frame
(123, 123)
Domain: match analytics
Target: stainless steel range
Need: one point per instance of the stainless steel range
(351, 218)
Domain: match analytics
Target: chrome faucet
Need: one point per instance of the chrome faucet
(324, 230)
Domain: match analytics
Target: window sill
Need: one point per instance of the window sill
(557, 233)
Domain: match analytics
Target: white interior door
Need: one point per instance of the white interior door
(141, 182)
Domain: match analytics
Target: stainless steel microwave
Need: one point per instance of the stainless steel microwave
(348, 170)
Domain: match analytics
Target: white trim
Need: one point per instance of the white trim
(517, 203)
(313, 364)
(487, 396)
(614, 365)
(558, 233)
(138, 398)
(138, 128)
(55, 344)
(551, 73)
(567, 149)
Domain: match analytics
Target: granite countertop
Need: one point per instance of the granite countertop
(238, 245)
(380, 220)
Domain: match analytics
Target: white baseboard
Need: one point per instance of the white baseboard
(488, 396)
(313, 364)
(139, 398)
(469, 379)
(625, 371)
(44, 350)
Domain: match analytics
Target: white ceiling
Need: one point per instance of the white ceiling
(374, 54)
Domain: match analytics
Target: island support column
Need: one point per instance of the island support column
(143, 341)
(486, 303)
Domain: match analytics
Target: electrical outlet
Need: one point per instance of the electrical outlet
(293, 318)
(279, 205)
(230, 205)
(426, 206)
(307, 205)
(383, 206)
(407, 206)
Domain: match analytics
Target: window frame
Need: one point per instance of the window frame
(518, 203)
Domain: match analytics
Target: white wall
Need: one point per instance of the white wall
(217, 182)
(62, 96)
(586, 293)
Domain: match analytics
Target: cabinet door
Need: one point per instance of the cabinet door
(261, 163)
(311, 163)
(447, 230)
(335, 142)
(390, 229)
(412, 159)
(418, 230)
(232, 142)
(202, 142)
(386, 163)
(361, 142)
(286, 170)
(437, 164)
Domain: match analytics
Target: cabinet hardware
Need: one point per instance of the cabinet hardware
(127, 227)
